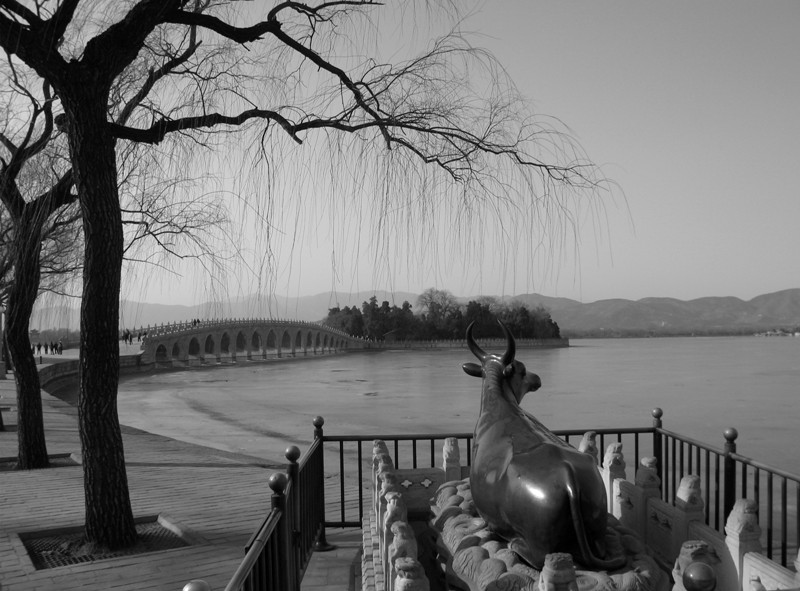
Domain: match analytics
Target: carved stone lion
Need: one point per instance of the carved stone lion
(689, 496)
(395, 509)
(404, 544)
(614, 460)
(588, 444)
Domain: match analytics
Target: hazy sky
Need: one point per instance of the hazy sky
(691, 107)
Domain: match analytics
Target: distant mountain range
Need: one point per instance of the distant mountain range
(670, 316)
(615, 317)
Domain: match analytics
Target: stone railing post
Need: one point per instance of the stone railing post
(396, 512)
(403, 546)
(451, 459)
(388, 486)
(689, 507)
(613, 468)
(410, 575)
(588, 445)
(695, 567)
(742, 534)
(689, 498)
(558, 573)
(381, 464)
(797, 568)
(631, 499)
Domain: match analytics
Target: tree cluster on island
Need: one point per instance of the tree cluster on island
(441, 317)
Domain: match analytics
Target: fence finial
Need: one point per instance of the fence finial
(657, 414)
(318, 423)
(292, 453)
(277, 482)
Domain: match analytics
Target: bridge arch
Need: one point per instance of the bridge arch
(272, 344)
(257, 344)
(286, 343)
(161, 354)
(225, 343)
(298, 344)
(309, 344)
(241, 344)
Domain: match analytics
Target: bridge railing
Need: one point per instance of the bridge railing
(189, 325)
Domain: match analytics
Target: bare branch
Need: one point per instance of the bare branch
(57, 24)
(238, 34)
(19, 10)
(156, 133)
(111, 51)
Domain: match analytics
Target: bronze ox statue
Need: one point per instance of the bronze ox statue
(533, 489)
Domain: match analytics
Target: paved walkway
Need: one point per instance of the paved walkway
(219, 498)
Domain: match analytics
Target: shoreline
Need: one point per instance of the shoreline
(176, 416)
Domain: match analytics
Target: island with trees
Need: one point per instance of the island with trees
(439, 316)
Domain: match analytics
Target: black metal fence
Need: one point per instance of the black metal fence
(724, 475)
(278, 553)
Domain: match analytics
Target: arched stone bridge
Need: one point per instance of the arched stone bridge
(218, 341)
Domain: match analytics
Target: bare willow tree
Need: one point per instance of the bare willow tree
(41, 231)
(50, 185)
(288, 69)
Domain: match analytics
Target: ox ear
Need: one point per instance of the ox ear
(473, 369)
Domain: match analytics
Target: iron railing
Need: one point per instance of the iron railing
(724, 475)
(424, 451)
(278, 553)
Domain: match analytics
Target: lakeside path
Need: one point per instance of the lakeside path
(218, 497)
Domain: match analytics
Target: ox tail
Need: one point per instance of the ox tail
(588, 556)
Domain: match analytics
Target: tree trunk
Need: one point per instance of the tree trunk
(109, 516)
(27, 247)
(7, 366)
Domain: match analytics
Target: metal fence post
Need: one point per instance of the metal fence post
(295, 509)
(285, 549)
(321, 544)
(729, 472)
(657, 450)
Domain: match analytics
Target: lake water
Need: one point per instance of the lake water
(703, 385)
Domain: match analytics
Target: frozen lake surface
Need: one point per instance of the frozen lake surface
(704, 385)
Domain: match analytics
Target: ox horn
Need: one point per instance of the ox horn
(511, 350)
(473, 346)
